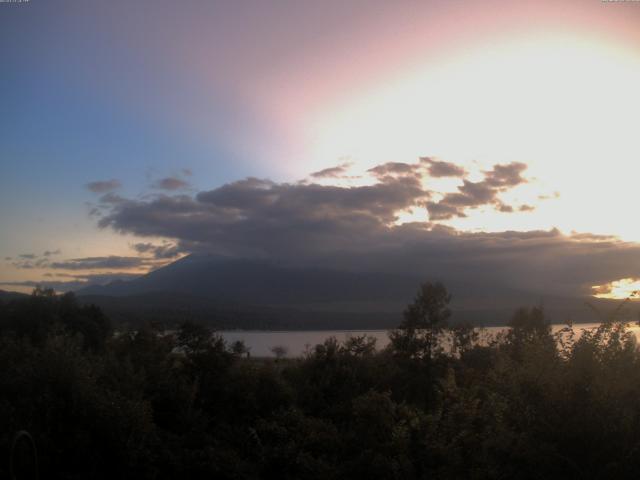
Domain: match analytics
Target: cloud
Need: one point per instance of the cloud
(259, 217)
(356, 227)
(28, 261)
(103, 186)
(170, 183)
(546, 262)
(266, 218)
(75, 282)
(338, 171)
(442, 169)
(508, 175)
(163, 251)
(111, 198)
(554, 195)
(89, 270)
(475, 194)
(504, 208)
(395, 169)
(24, 264)
(88, 263)
(443, 211)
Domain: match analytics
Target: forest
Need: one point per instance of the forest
(441, 401)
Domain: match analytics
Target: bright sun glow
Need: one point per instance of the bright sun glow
(562, 105)
(618, 289)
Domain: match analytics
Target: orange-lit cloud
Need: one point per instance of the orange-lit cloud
(618, 289)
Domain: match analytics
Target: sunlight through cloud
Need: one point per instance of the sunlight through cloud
(618, 289)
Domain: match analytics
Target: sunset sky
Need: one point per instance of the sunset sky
(473, 136)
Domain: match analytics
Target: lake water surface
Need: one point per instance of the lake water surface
(296, 343)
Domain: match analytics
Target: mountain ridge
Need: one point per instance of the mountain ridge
(217, 289)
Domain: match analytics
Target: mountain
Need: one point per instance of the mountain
(8, 296)
(234, 293)
(242, 293)
(262, 282)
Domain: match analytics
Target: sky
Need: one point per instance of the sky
(478, 135)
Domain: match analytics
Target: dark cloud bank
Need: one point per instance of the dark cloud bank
(355, 228)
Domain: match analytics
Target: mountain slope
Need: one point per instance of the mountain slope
(265, 283)
(6, 296)
(233, 293)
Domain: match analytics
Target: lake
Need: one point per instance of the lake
(297, 342)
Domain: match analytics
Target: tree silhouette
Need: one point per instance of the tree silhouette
(424, 320)
(280, 351)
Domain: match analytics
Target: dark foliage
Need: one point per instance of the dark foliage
(440, 402)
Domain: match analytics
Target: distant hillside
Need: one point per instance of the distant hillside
(250, 294)
(264, 283)
(6, 296)
(256, 294)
